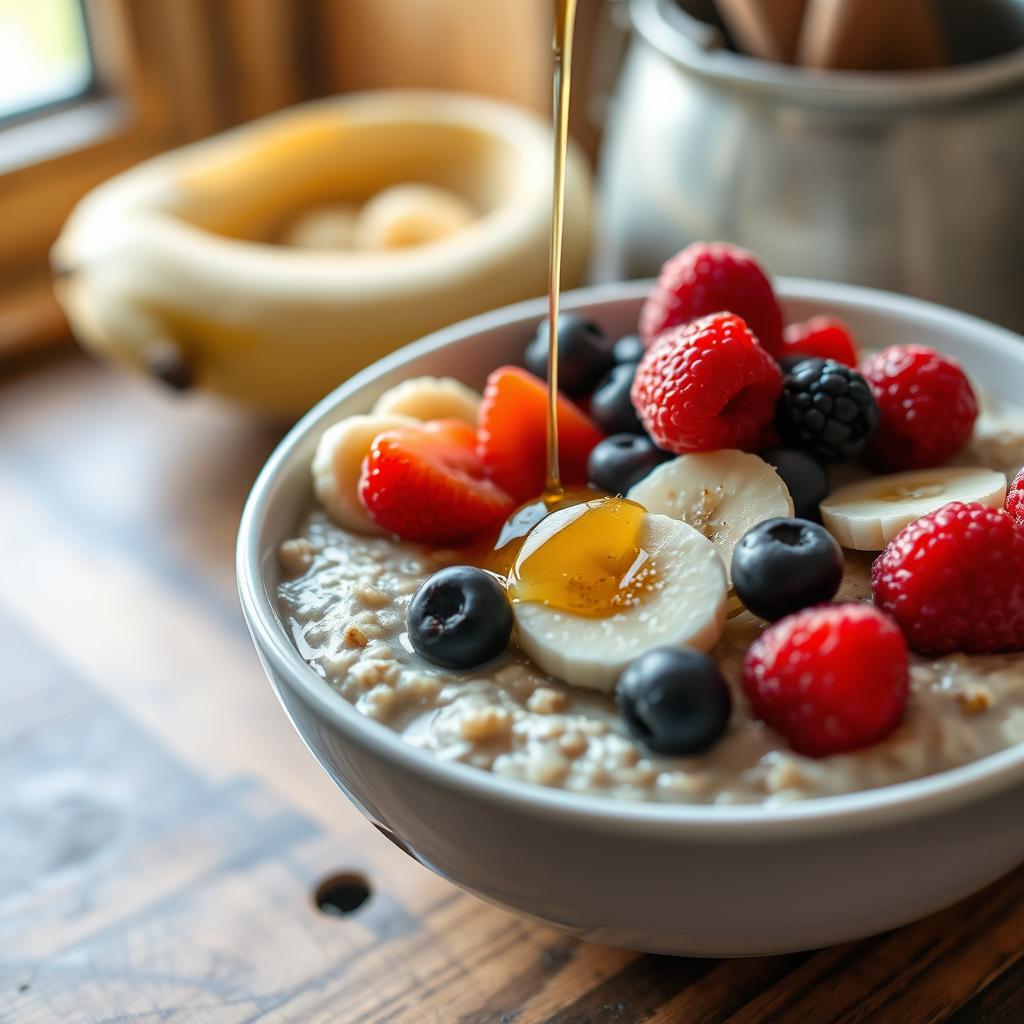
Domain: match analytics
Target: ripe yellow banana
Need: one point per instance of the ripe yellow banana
(169, 266)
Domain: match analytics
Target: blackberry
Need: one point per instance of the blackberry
(789, 363)
(826, 409)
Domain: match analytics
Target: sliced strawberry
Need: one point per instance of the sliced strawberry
(512, 434)
(426, 483)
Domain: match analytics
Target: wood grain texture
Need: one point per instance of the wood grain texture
(162, 829)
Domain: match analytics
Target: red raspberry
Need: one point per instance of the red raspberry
(426, 483)
(926, 407)
(954, 581)
(821, 336)
(1015, 500)
(830, 678)
(707, 385)
(713, 277)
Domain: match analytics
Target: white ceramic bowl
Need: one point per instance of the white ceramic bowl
(696, 880)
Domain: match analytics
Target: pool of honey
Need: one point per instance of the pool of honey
(588, 560)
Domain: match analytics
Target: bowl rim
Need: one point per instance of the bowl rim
(898, 802)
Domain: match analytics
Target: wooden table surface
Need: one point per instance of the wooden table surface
(163, 831)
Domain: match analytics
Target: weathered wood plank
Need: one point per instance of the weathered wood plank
(921, 972)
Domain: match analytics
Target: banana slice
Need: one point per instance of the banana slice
(430, 398)
(325, 227)
(338, 461)
(686, 609)
(722, 494)
(867, 515)
(406, 215)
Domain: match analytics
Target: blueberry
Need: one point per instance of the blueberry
(460, 618)
(783, 565)
(674, 701)
(806, 479)
(629, 349)
(622, 460)
(611, 408)
(584, 354)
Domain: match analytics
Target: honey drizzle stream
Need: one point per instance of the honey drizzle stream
(591, 564)
(565, 25)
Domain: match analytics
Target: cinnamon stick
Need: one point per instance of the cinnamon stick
(767, 29)
(871, 35)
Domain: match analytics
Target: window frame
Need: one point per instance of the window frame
(168, 72)
(164, 74)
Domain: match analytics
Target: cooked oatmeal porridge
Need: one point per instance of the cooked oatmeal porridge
(345, 597)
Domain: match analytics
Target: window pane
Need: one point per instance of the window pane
(44, 54)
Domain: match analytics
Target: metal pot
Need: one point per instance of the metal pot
(906, 181)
